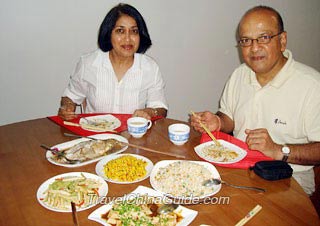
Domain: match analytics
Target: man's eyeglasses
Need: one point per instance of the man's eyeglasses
(265, 39)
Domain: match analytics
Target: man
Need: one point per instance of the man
(272, 102)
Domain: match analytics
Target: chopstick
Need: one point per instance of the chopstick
(208, 132)
(74, 214)
(79, 136)
(88, 127)
(130, 145)
(152, 150)
(251, 214)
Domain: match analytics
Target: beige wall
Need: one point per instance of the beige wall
(193, 42)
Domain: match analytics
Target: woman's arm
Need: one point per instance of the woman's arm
(67, 109)
(148, 113)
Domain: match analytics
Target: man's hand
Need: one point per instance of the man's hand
(260, 140)
(208, 119)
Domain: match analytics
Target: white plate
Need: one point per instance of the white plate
(106, 159)
(241, 153)
(103, 190)
(69, 144)
(100, 118)
(214, 172)
(187, 214)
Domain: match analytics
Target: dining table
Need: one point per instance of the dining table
(24, 167)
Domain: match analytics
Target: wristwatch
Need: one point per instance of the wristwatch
(285, 151)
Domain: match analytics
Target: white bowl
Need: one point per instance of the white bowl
(179, 133)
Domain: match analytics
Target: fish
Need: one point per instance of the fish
(91, 149)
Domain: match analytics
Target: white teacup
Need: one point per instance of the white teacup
(138, 126)
(179, 133)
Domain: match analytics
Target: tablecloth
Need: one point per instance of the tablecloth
(78, 130)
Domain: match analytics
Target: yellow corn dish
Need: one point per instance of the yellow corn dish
(125, 169)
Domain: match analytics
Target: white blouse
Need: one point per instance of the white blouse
(95, 81)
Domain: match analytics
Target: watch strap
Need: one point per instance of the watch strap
(285, 157)
(285, 151)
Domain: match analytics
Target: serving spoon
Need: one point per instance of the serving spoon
(213, 181)
(60, 154)
(167, 208)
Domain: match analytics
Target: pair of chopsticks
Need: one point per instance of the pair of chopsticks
(248, 217)
(152, 150)
(87, 126)
(217, 143)
(131, 145)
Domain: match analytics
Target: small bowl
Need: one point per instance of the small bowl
(179, 133)
(138, 126)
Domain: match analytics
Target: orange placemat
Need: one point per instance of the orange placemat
(251, 158)
(78, 130)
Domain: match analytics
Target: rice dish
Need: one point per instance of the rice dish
(183, 179)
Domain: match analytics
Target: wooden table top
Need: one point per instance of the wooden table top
(24, 168)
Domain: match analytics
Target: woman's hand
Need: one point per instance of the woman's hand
(208, 119)
(67, 109)
(147, 113)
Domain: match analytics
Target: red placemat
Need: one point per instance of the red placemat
(251, 158)
(78, 130)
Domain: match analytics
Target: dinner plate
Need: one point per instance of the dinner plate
(103, 190)
(241, 153)
(185, 199)
(115, 122)
(69, 144)
(188, 215)
(100, 168)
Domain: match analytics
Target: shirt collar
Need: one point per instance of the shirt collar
(283, 74)
(103, 59)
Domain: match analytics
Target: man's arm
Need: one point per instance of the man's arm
(227, 124)
(302, 154)
(214, 122)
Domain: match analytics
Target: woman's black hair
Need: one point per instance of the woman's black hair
(104, 36)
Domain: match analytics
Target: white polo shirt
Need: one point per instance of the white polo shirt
(288, 106)
(94, 80)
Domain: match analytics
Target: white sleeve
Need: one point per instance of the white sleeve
(156, 96)
(227, 98)
(77, 87)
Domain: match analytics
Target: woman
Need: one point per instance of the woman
(118, 77)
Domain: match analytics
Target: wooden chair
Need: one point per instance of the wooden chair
(315, 198)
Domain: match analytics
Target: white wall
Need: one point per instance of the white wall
(193, 42)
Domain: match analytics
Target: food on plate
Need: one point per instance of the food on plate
(140, 211)
(183, 179)
(125, 168)
(81, 190)
(98, 124)
(219, 153)
(90, 149)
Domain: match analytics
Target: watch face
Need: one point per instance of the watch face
(285, 150)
